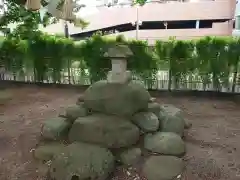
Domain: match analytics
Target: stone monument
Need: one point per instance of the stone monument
(119, 55)
(116, 120)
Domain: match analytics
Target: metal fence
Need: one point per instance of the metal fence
(160, 82)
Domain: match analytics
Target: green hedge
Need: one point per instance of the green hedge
(46, 54)
(212, 59)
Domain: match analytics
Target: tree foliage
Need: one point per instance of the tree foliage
(140, 2)
(28, 21)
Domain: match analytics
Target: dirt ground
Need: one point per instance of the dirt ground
(213, 142)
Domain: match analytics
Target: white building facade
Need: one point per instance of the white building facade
(208, 18)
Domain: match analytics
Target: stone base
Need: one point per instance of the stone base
(122, 77)
(123, 128)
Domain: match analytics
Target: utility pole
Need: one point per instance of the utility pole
(137, 23)
(66, 33)
(66, 30)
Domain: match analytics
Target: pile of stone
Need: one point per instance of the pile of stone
(114, 123)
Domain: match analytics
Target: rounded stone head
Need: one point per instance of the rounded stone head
(118, 51)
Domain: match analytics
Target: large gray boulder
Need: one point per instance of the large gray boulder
(172, 110)
(82, 161)
(166, 143)
(154, 107)
(55, 128)
(80, 100)
(76, 111)
(106, 130)
(163, 168)
(146, 121)
(117, 99)
(171, 119)
(130, 156)
(46, 152)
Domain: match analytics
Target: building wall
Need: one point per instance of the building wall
(197, 10)
(152, 35)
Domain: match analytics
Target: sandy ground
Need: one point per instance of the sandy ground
(213, 143)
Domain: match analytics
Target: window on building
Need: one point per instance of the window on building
(237, 22)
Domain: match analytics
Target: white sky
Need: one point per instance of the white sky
(90, 7)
